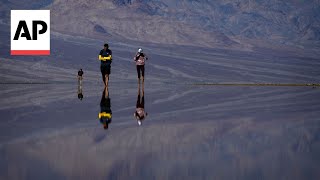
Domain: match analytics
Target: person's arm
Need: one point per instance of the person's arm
(136, 57)
(100, 55)
(105, 58)
(101, 58)
(110, 55)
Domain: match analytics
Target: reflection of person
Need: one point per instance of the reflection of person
(80, 95)
(105, 56)
(80, 73)
(140, 113)
(105, 114)
(140, 59)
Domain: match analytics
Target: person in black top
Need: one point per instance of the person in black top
(105, 57)
(80, 73)
(105, 115)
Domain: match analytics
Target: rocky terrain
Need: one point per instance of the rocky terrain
(223, 24)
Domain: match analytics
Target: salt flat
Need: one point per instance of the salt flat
(191, 132)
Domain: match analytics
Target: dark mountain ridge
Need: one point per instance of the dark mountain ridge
(225, 24)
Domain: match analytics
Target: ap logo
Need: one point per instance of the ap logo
(30, 32)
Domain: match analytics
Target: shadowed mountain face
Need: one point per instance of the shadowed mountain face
(233, 24)
(209, 23)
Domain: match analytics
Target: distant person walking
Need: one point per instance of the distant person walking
(105, 57)
(140, 59)
(80, 78)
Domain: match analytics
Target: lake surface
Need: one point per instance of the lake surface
(191, 132)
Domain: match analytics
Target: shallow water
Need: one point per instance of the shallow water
(191, 132)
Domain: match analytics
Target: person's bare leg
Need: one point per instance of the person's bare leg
(142, 73)
(107, 80)
(138, 73)
(80, 81)
(142, 88)
(79, 89)
(106, 92)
